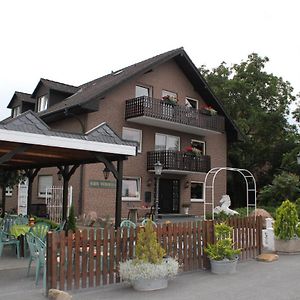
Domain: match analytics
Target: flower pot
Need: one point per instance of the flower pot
(150, 284)
(287, 246)
(186, 210)
(223, 266)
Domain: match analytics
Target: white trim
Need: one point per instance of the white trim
(145, 86)
(198, 200)
(193, 99)
(139, 188)
(61, 142)
(140, 134)
(97, 126)
(204, 145)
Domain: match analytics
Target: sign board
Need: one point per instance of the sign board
(102, 184)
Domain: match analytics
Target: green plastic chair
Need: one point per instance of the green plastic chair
(127, 224)
(21, 220)
(40, 230)
(145, 221)
(60, 227)
(37, 249)
(7, 239)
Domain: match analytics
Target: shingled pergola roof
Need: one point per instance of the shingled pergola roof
(47, 147)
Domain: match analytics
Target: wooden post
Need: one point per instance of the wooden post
(66, 179)
(119, 194)
(30, 174)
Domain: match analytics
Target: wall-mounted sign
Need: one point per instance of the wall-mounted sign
(102, 184)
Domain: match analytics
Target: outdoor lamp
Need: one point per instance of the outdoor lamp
(59, 175)
(106, 172)
(158, 168)
(298, 158)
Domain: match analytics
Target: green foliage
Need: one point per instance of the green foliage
(297, 203)
(284, 186)
(259, 103)
(148, 249)
(285, 226)
(52, 224)
(223, 248)
(71, 224)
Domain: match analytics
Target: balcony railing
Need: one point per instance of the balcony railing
(160, 109)
(180, 161)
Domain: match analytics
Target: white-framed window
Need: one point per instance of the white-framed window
(200, 145)
(44, 181)
(8, 191)
(131, 189)
(197, 191)
(191, 103)
(168, 94)
(131, 134)
(141, 90)
(42, 103)
(16, 111)
(167, 142)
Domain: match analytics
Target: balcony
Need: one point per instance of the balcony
(154, 112)
(178, 162)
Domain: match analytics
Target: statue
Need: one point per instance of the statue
(225, 203)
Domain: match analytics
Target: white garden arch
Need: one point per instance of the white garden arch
(209, 187)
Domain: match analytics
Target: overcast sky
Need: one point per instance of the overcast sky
(77, 41)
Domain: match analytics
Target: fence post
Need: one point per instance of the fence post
(208, 237)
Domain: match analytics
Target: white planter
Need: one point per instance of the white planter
(287, 246)
(150, 284)
(223, 266)
(186, 210)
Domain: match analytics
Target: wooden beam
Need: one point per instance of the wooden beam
(119, 178)
(6, 157)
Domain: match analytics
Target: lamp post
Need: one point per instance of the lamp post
(157, 170)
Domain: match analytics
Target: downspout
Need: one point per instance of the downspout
(81, 170)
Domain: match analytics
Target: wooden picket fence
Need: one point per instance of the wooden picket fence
(91, 258)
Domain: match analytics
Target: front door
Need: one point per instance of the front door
(168, 196)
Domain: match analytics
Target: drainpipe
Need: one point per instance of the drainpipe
(80, 202)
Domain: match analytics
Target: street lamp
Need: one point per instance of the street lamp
(106, 172)
(298, 158)
(157, 170)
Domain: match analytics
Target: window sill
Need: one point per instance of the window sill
(197, 200)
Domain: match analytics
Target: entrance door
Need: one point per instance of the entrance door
(168, 196)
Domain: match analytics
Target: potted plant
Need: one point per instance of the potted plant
(186, 207)
(149, 270)
(287, 229)
(222, 255)
(193, 151)
(170, 100)
(208, 110)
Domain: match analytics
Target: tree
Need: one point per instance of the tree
(8, 179)
(259, 103)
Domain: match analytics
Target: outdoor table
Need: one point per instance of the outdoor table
(19, 231)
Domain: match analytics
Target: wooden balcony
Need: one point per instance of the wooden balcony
(178, 162)
(154, 112)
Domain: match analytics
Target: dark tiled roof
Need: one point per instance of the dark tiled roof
(100, 86)
(24, 97)
(58, 86)
(29, 122)
(54, 85)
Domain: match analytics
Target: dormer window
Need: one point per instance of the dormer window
(42, 103)
(16, 111)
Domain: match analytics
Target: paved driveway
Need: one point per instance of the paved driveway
(254, 280)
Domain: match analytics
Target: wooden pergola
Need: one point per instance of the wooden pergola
(27, 143)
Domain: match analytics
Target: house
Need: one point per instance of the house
(166, 107)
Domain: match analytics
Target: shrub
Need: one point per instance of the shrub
(285, 226)
(284, 186)
(148, 249)
(223, 248)
(71, 224)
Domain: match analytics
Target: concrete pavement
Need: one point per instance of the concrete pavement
(278, 280)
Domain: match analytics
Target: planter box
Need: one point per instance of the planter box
(150, 284)
(223, 266)
(287, 246)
